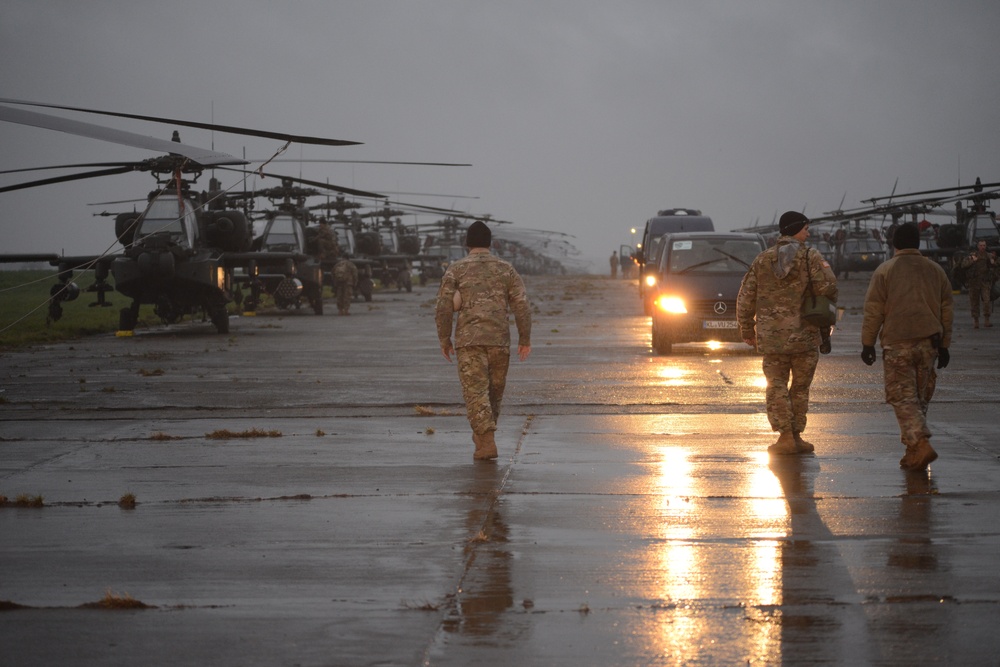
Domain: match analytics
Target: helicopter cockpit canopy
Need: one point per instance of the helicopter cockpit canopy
(982, 228)
(389, 240)
(172, 217)
(345, 237)
(283, 234)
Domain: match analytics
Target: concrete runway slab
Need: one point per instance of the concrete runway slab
(634, 516)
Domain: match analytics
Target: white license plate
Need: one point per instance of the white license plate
(721, 324)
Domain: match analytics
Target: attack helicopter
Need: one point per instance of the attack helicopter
(382, 242)
(281, 265)
(179, 252)
(946, 243)
(949, 243)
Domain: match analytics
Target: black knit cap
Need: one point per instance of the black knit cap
(478, 235)
(791, 223)
(907, 235)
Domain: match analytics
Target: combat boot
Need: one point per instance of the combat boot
(986, 322)
(975, 322)
(784, 445)
(803, 446)
(486, 446)
(919, 456)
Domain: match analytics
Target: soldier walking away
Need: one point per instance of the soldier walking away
(614, 264)
(768, 310)
(909, 307)
(345, 279)
(979, 270)
(482, 289)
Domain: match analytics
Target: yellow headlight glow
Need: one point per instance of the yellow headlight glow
(651, 281)
(672, 304)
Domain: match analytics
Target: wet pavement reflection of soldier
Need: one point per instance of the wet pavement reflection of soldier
(817, 625)
(485, 591)
(911, 584)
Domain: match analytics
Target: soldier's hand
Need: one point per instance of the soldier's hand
(523, 351)
(943, 357)
(751, 341)
(868, 354)
(446, 350)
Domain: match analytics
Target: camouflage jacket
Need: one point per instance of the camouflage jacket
(344, 271)
(769, 304)
(489, 288)
(979, 268)
(909, 297)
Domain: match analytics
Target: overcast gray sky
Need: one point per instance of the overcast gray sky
(583, 117)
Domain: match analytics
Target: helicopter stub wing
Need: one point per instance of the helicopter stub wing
(33, 118)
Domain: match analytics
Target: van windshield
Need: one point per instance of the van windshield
(711, 255)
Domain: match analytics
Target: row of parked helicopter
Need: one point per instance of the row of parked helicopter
(191, 251)
(859, 239)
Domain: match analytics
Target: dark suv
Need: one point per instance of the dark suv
(698, 279)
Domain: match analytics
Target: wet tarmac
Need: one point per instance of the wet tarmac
(306, 495)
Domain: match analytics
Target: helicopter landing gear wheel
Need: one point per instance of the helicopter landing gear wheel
(365, 288)
(128, 317)
(316, 300)
(405, 280)
(220, 318)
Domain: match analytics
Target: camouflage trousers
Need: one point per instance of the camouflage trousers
(909, 385)
(482, 370)
(979, 291)
(345, 293)
(787, 406)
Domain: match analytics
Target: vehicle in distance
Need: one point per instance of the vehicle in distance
(697, 282)
(858, 254)
(667, 221)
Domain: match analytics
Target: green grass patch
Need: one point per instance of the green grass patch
(24, 308)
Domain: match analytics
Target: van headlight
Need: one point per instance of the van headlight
(650, 280)
(672, 304)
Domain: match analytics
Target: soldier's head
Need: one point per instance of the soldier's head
(981, 246)
(791, 223)
(907, 235)
(478, 235)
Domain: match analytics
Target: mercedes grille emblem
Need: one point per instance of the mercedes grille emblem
(720, 307)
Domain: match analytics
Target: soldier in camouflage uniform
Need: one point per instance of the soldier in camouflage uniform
(768, 310)
(345, 278)
(980, 267)
(482, 288)
(909, 302)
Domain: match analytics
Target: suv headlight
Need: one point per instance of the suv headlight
(672, 304)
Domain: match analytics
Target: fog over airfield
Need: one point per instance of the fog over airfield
(580, 116)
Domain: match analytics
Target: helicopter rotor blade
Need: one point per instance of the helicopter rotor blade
(426, 164)
(315, 184)
(937, 190)
(69, 177)
(302, 139)
(68, 166)
(35, 119)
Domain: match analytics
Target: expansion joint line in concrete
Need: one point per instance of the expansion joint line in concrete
(482, 536)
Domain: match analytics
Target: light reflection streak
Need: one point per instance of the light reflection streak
(686, 554)
(677, 557)
(672, 376)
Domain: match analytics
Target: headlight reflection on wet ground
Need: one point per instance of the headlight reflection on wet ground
(703, 528)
